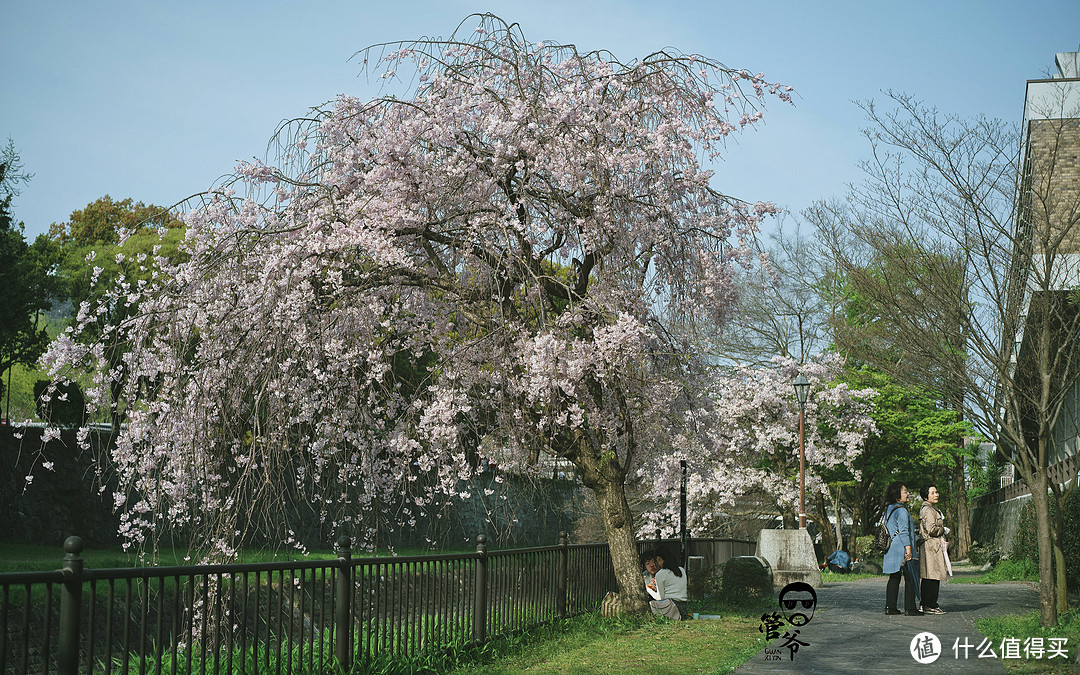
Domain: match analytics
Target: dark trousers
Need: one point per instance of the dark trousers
(930, 588)
(892, 591)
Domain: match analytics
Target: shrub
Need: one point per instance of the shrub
(863, 546)
(1026, 541)
(712, 581)
(978, 554)
(745, 578)
(1014, 570)
(1070, 540)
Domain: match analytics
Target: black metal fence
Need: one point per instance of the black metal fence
(303, 617)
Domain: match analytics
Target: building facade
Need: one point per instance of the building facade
(1044, 316)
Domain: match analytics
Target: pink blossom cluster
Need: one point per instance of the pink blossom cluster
(747, 442)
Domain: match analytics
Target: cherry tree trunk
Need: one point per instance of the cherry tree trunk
(618, 524)
(1057, 519)
(860, 523)
(828, 534)
(839, 509)
(1062, 597)
(789, 518)
(961, 543)
(1047, 585)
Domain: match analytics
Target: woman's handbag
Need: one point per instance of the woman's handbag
(610, 605)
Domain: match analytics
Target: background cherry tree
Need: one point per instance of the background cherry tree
(507, 263)
(744, 442)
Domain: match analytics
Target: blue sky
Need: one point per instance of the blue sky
(155, 100)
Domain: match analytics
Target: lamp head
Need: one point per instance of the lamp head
(802, 389)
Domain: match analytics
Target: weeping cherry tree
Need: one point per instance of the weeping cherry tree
(502, 266)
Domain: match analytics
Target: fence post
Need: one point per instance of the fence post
(564, 575)
(70, 607)
(480, 591)
(342, 601)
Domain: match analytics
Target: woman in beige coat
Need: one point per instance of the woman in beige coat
(933, 553)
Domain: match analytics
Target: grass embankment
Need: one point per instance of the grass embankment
(594, 644)
(1006, 570)
(19, 405)
(1019, 628)
(1027, 626)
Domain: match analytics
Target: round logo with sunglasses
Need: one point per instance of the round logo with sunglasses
(798, 600)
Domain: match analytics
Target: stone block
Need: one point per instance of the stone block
(791, 555)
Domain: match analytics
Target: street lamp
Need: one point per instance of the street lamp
(683, 539)
(802, 391)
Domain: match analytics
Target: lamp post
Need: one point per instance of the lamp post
(802, 391)
(683, 540)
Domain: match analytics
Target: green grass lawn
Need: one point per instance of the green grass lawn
(1021, 626)
(1027, 625)
(593, 644)
(1006, 570)
(827, 576)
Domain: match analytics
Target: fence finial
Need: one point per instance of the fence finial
(344, 545)
(73, 546)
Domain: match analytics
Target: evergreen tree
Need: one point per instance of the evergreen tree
(25, 282)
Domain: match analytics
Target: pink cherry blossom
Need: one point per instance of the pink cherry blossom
(747, 442)
(510, 263)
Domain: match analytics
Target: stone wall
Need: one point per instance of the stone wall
(60, 502)
(994, 525)
(68, 500)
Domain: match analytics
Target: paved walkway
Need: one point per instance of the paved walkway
(850, 633)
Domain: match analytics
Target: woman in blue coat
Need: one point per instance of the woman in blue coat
(901, 549)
